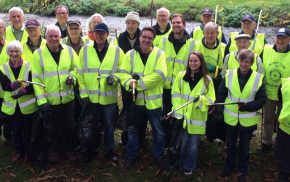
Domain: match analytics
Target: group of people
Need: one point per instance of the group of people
(72, 80)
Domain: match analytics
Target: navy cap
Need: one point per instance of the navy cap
(248, 17)
(283, 32)
(206, 11)
(32, 23)
(101, 27)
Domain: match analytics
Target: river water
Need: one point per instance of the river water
(118, 23)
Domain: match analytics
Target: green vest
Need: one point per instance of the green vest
(284, 117)
(10, 36)
(194, 117)
(27, 53)
(276, 66)
(175, 62)
(259, 46)
(53, 76)
(93, 73)
(152, 75)
(27, 103)
(157, 40)
(233, 63)
(231, 114)
(198, 33)
(213, 57)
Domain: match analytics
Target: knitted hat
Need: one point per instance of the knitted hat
(132, 15)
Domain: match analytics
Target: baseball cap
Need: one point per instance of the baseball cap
(248, 17)
(32, 23)
(240, 36)
(101, 27)
(206, 11)
(283, 32)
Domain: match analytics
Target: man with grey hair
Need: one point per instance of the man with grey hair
(162, 27)
(212, 50)
(16, 31)
(54, 65)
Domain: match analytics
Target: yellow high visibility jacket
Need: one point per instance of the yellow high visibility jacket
(194, 114)
(157, 40)
(213, 57)
(284, 117)
(10, 36)
(3, 54)
(92, 74)
(152, 75)
(27, 53)
(27, 103)
(231, 113)
(175, 62)
(46, 71)
(276, 66)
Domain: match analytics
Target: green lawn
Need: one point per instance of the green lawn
(263, 167)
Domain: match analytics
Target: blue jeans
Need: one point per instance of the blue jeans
(108, 118)
(189, 150)
(142, 115)
(244, 134)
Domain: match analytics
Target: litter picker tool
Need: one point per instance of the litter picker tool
(33, 83)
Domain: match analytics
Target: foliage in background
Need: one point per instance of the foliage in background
(278, 11)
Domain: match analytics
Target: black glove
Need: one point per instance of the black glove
(45, 109)
(110, 80)
(69, 80)
(242, 106)
(21, 92)
(135, 76)
(15, 85)
(85, 102)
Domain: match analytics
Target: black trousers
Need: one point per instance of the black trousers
(60, 128)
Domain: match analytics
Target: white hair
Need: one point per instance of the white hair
(52, 27)
(163, 9)
(14, 44)
(211, 25)
(3, 22)
(15, 9)
(90, 20)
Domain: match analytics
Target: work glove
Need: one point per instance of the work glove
(16, 85)
(45, 110)
(21, 92)
(110, 80)
(135, 76)
(69, 80)
(85, 102)
(242, 106)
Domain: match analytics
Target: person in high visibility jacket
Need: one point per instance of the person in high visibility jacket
(3, 43)
(162, 26)
(148, 63)
(283, 132)
(91, 23)
(74, 38)
(16, 31)
(98, 85)
(62, 14)
(19, 101)
(4, 59)
(276, 61)
(206, 16)
(177, 47)
(54, 65)
(212, 50)
(248, 24)
(34, 40)
(231, 62)
(245, 86)
(189, 84)
(128, 40)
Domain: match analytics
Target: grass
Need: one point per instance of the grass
(211, 158)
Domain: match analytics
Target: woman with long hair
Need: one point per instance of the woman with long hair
(192, 83)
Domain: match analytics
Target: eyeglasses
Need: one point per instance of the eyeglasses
(145, 37)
